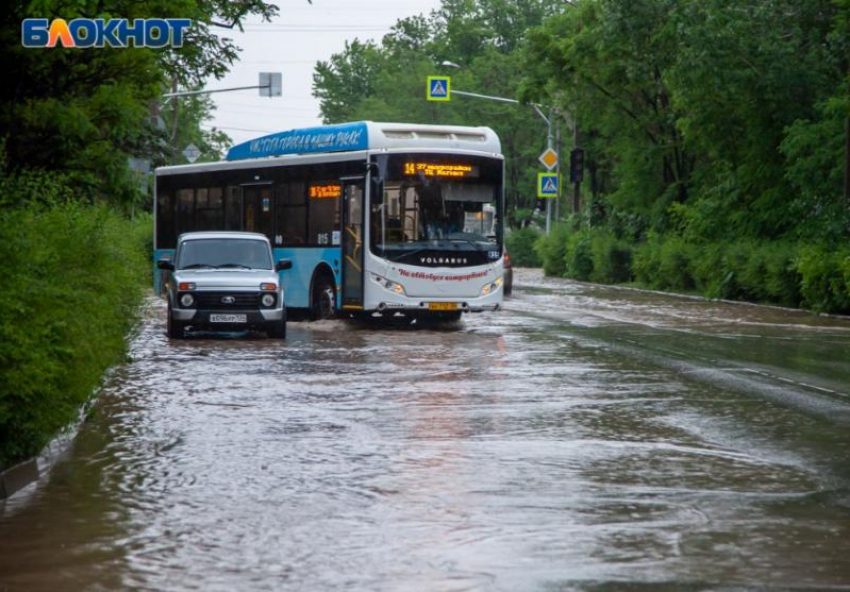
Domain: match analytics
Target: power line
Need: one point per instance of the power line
(347, 29)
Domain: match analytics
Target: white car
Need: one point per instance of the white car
(225, 281)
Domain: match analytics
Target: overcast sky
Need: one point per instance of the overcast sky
(292, 44)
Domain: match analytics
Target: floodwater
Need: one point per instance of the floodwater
(586, 438)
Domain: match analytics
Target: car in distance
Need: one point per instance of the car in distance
(225, 281)
(508, 274)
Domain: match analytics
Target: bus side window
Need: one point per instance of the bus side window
(186, 210)
(209, 209)
(233, 209)
(291, 210)
(166, 235)
(324, 213)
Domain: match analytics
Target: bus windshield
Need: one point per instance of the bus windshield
(224, 253)
(440, 206)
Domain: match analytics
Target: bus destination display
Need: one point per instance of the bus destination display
(328, 190)
(440, 170)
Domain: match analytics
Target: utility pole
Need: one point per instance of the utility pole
(175, 149)
(550, 137)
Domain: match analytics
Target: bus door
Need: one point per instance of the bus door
(353, 242)
(257, 215)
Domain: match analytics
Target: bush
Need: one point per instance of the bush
(73, 276)
(520, 245)
(676, 257)
(824, 274)
(774, 272)
(551, 250)
(612, 259)
(845, 270)
(578, 257)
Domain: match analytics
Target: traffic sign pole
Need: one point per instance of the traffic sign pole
(549, 142)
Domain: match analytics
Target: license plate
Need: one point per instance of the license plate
(228, 318)
(442, 306)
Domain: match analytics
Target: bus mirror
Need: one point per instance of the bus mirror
(283, 264)
(165, 265)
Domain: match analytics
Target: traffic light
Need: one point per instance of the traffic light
(576, 165)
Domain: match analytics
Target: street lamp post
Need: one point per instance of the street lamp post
(537, 109)
(270, 85)
(549, 135)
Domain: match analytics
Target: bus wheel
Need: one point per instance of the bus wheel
(323, 300)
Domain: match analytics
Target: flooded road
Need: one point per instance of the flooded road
(584, 439)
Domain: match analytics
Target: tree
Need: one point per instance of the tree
(387, 81)
(714, 119)
(83, 112)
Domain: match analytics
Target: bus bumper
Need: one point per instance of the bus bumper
(423, 306)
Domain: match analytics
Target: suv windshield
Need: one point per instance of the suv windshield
(224, 253)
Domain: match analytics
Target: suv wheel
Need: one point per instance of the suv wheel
(175, 328)
(323, 299)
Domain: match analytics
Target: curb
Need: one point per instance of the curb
(695, 297)
(16, 478)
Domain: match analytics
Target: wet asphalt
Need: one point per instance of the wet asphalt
(586, 438)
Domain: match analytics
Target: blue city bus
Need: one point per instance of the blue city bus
(378, 219)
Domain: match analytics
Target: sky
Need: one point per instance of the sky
(292, 43)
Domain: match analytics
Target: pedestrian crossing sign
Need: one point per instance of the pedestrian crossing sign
(439, 88)
(547, 184)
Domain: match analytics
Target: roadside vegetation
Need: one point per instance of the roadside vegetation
(73, 278)
(75, 230)
(714, 132)
(779, 272)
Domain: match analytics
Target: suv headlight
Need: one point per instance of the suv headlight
(492, 287)
(389, 285)
(187, 300)
(268, 300)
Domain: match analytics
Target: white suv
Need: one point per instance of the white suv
(225, 281)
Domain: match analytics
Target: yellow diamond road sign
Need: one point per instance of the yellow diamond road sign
(549, 159)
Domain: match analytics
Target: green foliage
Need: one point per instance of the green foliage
(714, 133)
(73, 276)
(824, 276)
(714, 120)
(386, 81)
(590, 254)
(551, 249)
(520, 245)
(345, 80)
(578, 257)
(612, 258)
(84, 112)
(665, 264)
(748, 270)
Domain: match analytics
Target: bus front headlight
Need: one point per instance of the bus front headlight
(492, 287)
(389, 285)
